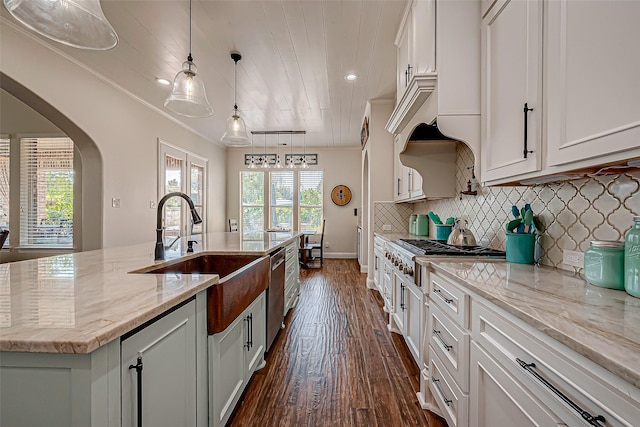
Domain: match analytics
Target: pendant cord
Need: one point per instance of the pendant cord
(235, 86)
(190, 19)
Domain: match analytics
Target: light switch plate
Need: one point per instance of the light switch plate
(386, 227)
(573, 258)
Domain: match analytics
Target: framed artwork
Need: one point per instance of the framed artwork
(364, 133)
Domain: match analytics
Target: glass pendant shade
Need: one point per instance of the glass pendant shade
(236, 131)
(76, 23)
(188, 96)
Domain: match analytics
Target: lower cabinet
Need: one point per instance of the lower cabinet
(292, 275)
(234, 354)
(407, 318)
(498, 399)
(158, 368)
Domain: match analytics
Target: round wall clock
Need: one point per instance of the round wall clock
(341, 195)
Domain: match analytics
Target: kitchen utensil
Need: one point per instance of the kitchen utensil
(538, 224)
(450, 221)
(515, 211)
(528, 219)
(461, 235)
(434, 217)
(513, 224)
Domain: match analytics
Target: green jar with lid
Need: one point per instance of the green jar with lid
(604, 264)
(632, 259)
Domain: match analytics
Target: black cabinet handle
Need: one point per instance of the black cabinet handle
(526, 109)
(442, 341)
(138, 368)
(435, 382)
(402, 304)
(398, 186)
(247, 343)
(594, 421)
(439, 293)
(250, 330)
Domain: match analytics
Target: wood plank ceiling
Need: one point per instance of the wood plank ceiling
(295, 54)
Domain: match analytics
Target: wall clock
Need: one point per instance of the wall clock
(341, 195)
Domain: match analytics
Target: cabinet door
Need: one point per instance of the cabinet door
(593, 65)
(387, 287)
(415, 190)
(227, 370)
(255, 338)
(414, 321)
(512, 53)
(403, 58)
(399, 302)
(401, 174)
(423, 37)
(497, 399)
(167, 351)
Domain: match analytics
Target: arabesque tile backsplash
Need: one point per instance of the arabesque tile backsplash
(573, 213)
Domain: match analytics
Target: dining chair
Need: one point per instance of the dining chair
(318, 246)
(4, 234)
(233, 225)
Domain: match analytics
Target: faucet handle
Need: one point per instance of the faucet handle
(190, 245)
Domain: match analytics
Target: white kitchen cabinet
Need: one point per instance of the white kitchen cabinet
(378, 261)
(292, 277)
(498, 399)
(407, 314)
(398, 316)
(159, 367)
(401, 173)
(453, 403)
(234, 354)
(388, 286)
(592, 89)
(512, 81)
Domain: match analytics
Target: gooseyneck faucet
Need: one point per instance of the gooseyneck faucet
(159, 255)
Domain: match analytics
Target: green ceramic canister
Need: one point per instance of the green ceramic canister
(520, 248)
(604, 264)
(632, 259)
(412, 224)
(422, 225)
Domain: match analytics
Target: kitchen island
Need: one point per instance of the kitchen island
(64, 321)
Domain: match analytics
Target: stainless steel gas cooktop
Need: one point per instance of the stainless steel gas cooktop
(434, 247)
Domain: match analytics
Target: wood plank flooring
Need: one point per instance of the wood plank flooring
(335, 363)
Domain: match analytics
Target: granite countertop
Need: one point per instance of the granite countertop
(601, 324)
(76, 303)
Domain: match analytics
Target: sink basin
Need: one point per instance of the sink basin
(242, 280)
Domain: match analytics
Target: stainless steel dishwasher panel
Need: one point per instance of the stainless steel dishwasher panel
(275, 296)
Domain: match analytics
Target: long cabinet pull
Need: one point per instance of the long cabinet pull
(138, 368)
(439, 293)
(251, 330)
(398, 186)
(435, 382)
(526, 109)
(402, 304)
(594, 421)
(442, 341)
(247, 344)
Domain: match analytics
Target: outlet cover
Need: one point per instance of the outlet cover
(573, 258)
(115, 203)
(386, 227)
(152, 204)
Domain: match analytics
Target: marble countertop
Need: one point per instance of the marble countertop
(76, 303)
(601, 324)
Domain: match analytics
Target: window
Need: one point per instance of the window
(310, 200)
(46, 192)
(252, 188)
(294, 200)
(187, 173)
(4, 182)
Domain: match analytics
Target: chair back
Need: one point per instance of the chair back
(322, 232)
(233, 225)
(4, 234)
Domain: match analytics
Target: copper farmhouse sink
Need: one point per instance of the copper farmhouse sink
(242, 279)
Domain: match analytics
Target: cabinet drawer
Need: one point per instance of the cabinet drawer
(291, 252)
(548, 369)
(451, 344)
(451, 299)
(453, 403)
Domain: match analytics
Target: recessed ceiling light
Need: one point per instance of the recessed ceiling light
(163, 82)
(351, 77)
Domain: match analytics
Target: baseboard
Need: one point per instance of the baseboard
(341, 255)
(371, 284)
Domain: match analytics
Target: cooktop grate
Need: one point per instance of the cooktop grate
(434, 247)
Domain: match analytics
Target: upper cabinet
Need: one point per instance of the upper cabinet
(593, 66)
(578, 78)
(512, 64)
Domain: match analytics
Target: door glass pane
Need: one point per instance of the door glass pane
(252, 219)
(311, 189)
(4, 183)
(173, 207)
(282, 200)
(197, 194)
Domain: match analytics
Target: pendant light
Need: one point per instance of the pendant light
(278, 164)
(304, 156)
(76, 23)
(265, 162)
(252, 162)
(188, 96)
(291, 164)
(236, 132)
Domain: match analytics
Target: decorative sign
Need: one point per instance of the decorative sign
(258, 159)
(341, 195)
(364, 133)
(311, 159)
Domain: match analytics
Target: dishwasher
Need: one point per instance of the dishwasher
(275, 296)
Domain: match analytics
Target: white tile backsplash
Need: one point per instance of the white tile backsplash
(574, 213)
(394, 214)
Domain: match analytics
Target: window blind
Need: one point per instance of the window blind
(311, 191)
(281, 196)
(46, 192)
(4, 182)
(252, 201)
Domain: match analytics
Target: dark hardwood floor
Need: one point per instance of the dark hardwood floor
(335, 363)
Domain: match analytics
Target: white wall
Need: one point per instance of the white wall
(125, 131)
(340, 166)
